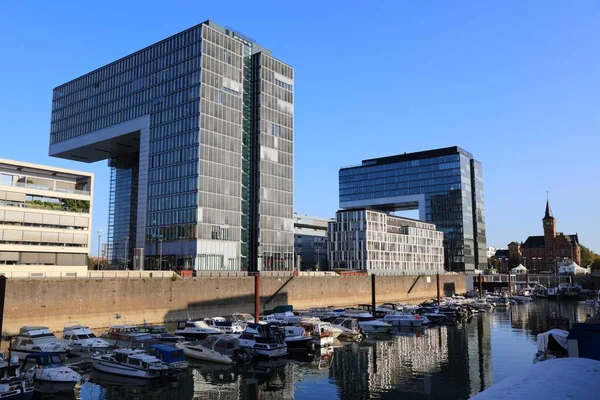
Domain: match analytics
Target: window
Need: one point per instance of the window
(220, 97)
(276, 130)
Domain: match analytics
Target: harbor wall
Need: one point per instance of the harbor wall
(95, 302)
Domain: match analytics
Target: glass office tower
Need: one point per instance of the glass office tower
(198, 131)
(445, 185)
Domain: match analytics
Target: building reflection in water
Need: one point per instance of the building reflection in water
(531, 317)
(260, 380)
(440, 362)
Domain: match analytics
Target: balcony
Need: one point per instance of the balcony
(40, 187)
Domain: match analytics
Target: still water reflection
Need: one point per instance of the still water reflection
(447, 362)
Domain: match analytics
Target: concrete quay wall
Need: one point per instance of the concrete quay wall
(95, 303)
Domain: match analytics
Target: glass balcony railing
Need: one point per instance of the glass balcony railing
(41, 187)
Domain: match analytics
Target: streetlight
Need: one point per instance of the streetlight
(126, 238)
(99, 245)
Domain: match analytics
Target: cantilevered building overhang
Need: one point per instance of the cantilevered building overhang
(198, 132)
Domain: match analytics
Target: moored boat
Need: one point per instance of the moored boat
(36, 339)
(161, 333)
(132, 363)
(349, 328)
(366, 321)
(222, 349)
(13, 385)
(400, 318)
(263, 340)
(80, 338)
(321, 332)
(196, 330)
(228, 327)
(49, 373)
(173, 356)
(125, 336)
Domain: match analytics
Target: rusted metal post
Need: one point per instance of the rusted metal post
(437, 278)
(3, 280)
(480, 278)
(509, 285)
(256, 297)
(373, 294)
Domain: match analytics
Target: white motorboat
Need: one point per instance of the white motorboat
(263, 340)
(196, 330)
(222, 349)
(320, 332)
(170, 355)
(131, 363)
(482, 304)
(336, 332)
(49, 373)
(13, 385)
(349, 328)
(242, 318)
(367, 322)
(81, 338)
(228, 327)
(36, 339)
(297, 338)
(400, 318)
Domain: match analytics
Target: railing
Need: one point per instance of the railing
(39, 187)
(90, 275)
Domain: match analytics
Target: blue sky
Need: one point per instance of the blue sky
(515, 83)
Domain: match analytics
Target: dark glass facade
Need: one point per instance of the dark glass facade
(208, 116)
(445, 185)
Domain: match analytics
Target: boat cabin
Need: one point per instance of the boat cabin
(165, 353)
(42, 361)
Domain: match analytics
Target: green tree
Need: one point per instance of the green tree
(587, 256)
(596, 265)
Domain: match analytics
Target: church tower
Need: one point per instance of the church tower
(549, 236)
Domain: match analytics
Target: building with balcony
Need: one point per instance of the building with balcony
(45, 218)
(445, 185)
(375, 241)
(198, 132)
(310, 242)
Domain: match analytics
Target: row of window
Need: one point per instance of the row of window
(368, 167)
(169, 45)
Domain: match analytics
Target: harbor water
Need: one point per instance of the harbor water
(440, 362)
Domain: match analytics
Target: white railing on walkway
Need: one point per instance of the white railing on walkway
(90, 275)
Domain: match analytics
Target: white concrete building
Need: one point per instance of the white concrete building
(310, 242)
(370, 240)
(45, 218)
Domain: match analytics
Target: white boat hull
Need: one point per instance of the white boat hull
(405, 322)
(370, 327)
(273, 352)
(123, 370)
(205, 354)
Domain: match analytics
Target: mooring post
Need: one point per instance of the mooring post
(527, 278)
(256, 297)
(509, 285)
(373, 294)
(480, 278)
(437, 278)
(3, 280)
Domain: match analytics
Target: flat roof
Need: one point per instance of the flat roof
(24, 167)
(384, 212)
(419, 155)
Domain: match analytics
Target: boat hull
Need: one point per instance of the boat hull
(205, 355)
(123, 370)
(300, 344)
(273, 352)
(403, 322)
(44, 386)
(324, 341)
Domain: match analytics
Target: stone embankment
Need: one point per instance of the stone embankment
(95, 302)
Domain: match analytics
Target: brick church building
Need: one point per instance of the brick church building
(544, 253)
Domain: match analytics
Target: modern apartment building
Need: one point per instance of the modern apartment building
(363, 239)
(198, 131)
(45, 218)
(445, 185)
(310, 242)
